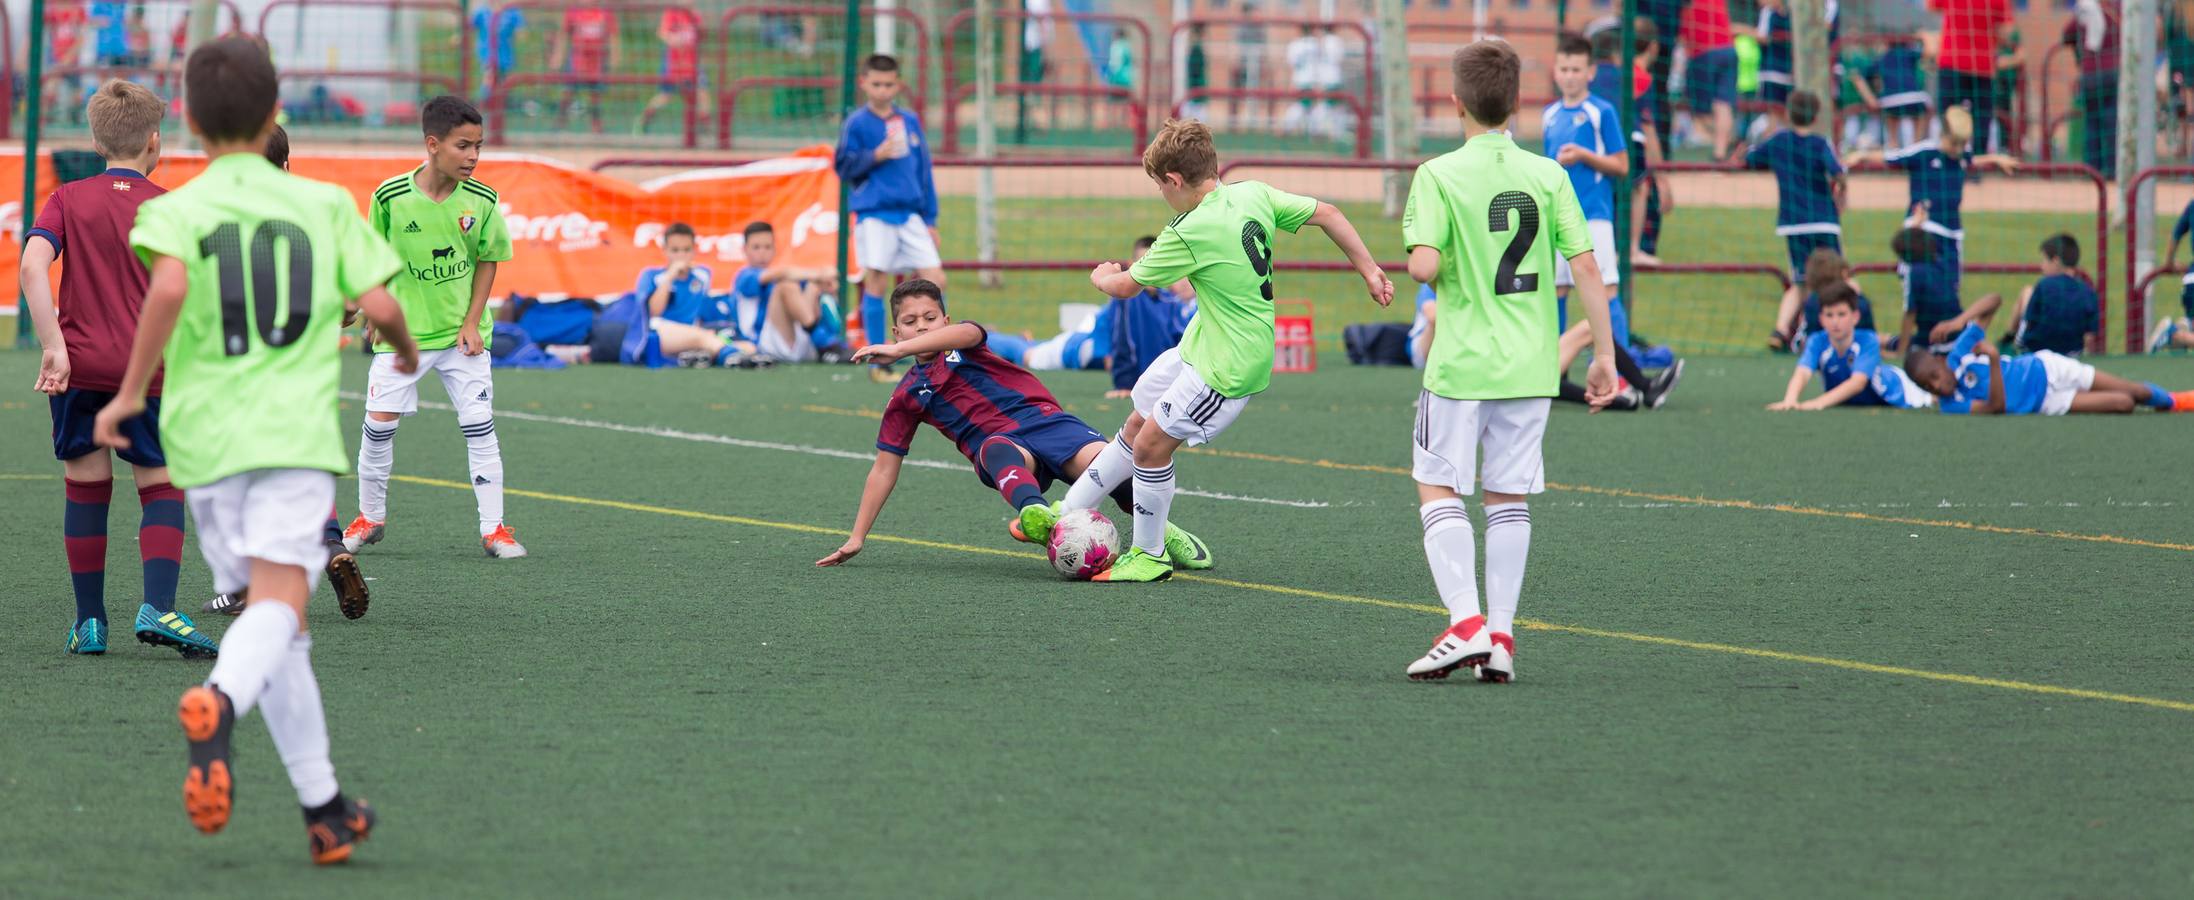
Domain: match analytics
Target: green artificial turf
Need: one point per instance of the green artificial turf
(668, 698)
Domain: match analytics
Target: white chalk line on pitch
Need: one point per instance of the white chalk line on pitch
(805, 449)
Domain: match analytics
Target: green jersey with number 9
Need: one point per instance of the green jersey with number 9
(1499, 215)
(1224, 248)
(256, 358)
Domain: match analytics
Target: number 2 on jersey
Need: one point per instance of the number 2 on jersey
(1258, 245)
(226, 246)
(1505, 279)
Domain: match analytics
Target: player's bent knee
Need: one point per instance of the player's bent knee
(379, 416)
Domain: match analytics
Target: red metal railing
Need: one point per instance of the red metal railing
(1363, 104)
(914, 68)
(2136, 300)
(455, 8)
(1137, 98)
(499, 95)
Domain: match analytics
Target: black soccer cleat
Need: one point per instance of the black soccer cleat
(207, 718)
(1656, 393)
(224, 604)
(336, 829)
(351, 595)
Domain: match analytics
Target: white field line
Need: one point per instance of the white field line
(826, 452)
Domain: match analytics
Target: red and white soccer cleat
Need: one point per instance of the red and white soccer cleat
(363, 531)
(502, 544)
(1465, 643)
(1500, 666)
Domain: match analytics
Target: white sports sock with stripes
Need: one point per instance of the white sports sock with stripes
(1452, 550)
(376, 459)
(1508, 543)
(485, 453)
(1105, 473)
(1153, 501)
(299, 724)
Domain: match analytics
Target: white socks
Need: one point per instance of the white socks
(376, 458)
(1452, 551)
(1153, 500)
(1108, 471)
(299, 724)
(1508, 542)
(485, 454)
(251, 651)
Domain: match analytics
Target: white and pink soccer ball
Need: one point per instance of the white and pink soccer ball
(1084, 543)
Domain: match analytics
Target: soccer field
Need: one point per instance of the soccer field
(1846, 653)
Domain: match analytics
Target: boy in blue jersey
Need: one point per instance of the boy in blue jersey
(1975, 379)
(1849, 360)
(780, 309)
(677, 295)
(997, 414)
(1583, 133)
(1936, 171)
(1774, 30)
(2060, 312)
(884, 160)
(1810, 185)
(2175, 332)
(1146, 325)
(1933, 315)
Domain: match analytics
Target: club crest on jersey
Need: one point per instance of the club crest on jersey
(466, 220)
(952, 356)
(122, 186)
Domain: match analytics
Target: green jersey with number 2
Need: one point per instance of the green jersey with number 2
(256, 358)
(1499, 215)
(1224, 248)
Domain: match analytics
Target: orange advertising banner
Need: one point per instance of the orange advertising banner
(574, 231)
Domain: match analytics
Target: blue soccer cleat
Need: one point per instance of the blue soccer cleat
(88, 638)
(173, 629)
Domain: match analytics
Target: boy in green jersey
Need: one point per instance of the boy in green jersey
(448, 230)
(1221, 241)
(250, 270)
(1485, 226)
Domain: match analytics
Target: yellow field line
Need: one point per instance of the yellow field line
(1533, 625)
(1687, 500)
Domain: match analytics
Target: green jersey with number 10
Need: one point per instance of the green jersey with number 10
(256, 358)
(1499, 215)
(1224, 248)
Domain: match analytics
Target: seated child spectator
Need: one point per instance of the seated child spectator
(1848, 357)
(1420, 326)
(1642, 393)
(1933, 314)
(1809, 181)
(2060, 311)
(1975, 379)
(780, 308)
(2174, 332)
(677, 294)
(1146, 325)
(1087, 345)
(1825, 269)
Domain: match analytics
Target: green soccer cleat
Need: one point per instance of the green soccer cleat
(1137, 566)
(88, 638)
(173, 629)
(1186, 550)
(1034, 525)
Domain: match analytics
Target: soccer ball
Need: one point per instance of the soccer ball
(1083, 543)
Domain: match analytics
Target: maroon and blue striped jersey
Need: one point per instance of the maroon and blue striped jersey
(969, 395)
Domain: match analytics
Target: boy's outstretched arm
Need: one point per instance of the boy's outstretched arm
(882, 477)
(35, 273)
(1835, 396)
(468, 332)
(1998, 160)
(1330, 220)
(155, 323)
(956, 336)
(1799, 376)
(1982, 311)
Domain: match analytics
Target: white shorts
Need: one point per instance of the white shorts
(1603, 252)
(471, 389)
(1451, 432)
(270, 514)
(2067, 376)
(800, 349)
(898, 249)
(1171, 395)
